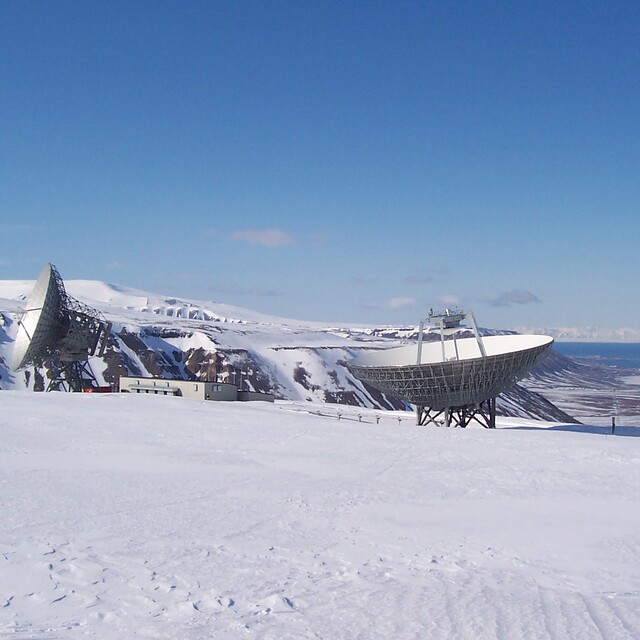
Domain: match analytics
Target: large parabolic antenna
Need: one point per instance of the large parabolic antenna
(452, 380)
(58, 330)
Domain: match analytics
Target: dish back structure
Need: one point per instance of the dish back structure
(452, 381)
(61, 331)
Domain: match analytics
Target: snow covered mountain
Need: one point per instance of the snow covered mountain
(586, 334)
(154, 335)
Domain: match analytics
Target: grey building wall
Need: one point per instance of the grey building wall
(195, 389)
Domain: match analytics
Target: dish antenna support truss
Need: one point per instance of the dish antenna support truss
(62, 331)
(448, 322)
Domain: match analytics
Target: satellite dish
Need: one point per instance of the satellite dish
(452, 381)
(56, 328)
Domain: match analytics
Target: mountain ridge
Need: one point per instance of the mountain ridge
(167, 336)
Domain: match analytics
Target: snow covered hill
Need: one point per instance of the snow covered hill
(135, 516)
(156, 335)
(586, 334)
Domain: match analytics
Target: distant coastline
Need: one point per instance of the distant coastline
(625, 355)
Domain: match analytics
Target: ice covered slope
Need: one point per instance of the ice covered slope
(136, 516)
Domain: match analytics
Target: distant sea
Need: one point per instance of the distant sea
(615, 354)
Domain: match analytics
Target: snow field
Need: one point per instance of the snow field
(160, 517)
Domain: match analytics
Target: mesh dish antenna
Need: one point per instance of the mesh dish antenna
(455, 380)
(62, 331)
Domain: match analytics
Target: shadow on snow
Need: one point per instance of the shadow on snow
(629, 432)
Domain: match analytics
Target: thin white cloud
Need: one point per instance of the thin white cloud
(392, 303)
(264, 237)
(450, 300)
(517, 296)
(426, 276)
(399, 303)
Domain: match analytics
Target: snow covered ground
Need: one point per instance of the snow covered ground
(157, 517)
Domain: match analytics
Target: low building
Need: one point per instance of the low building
(196, 389)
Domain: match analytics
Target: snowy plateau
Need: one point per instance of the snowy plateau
(135, 516)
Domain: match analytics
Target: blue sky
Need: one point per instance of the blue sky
(333, 161)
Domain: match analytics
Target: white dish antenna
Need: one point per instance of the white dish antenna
(457, 379)
(57, 329)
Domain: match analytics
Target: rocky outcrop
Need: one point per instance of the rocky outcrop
(303, 373)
